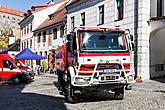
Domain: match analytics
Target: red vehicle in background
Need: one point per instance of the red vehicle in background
(12, 69)
(95, 59)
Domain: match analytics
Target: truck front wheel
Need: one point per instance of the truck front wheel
(70, 96)
(16, 80)
(119, 93)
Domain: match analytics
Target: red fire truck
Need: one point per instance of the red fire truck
(12, 69)
(95, 58)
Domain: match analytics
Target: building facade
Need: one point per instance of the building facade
(34, 18)
(9, 20)
(49, 35)
(157, 38)
(128, 14)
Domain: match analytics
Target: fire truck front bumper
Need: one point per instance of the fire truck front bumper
(103, 79)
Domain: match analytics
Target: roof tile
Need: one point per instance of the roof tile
(11, 11)
(59, 16)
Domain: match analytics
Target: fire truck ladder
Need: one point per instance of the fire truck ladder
(90, 78)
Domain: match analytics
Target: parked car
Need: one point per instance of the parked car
(12, 69)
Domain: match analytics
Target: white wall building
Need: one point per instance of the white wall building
(34, 18)
(49, 35)
(9, 20)
(157, 38)
(134, 15)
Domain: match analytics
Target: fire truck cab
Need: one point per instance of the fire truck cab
(96, 59)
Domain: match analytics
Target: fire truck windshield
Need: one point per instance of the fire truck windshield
(101, 41)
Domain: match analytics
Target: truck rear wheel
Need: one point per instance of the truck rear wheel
(119, 93)
(16, 80)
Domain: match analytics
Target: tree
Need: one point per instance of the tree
(4, 40)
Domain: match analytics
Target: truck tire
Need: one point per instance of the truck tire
(70, 96)
(16, 80)
(119, 93)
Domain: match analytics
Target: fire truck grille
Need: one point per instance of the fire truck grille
(105, 66)
(101, 67)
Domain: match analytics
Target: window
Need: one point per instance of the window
(12, 22)
(27, 44)
(24, 30)
(101, 14)
(159, 8)
(72, 23)
(54, 33)
(31, 43)
(62, 31)
(120, 8)
(13, 18)
(83, 19)
(27, 28)
(44, 37)
(46, 54)
(31, 27)
(22, 45)
(159, 67)
(8, 64)
(41, 53)
(38, 37)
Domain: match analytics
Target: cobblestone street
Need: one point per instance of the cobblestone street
(43, 95)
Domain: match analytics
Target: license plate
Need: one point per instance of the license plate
(109, 70)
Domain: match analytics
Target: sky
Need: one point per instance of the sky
(22, 5)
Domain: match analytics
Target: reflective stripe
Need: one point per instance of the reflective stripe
(6, 69)
(9, 70)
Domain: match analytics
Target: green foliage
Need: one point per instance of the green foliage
(45, 65)
(4, 41)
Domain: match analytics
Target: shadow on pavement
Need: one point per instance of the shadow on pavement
(97, 96)
(11, 98)
(160, 79)
(92, 96)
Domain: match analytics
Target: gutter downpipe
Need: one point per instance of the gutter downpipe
(136, 18)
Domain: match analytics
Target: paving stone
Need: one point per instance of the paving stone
(43, 95)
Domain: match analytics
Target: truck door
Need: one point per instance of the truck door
(6, 70)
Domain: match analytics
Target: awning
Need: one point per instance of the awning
(27, 54)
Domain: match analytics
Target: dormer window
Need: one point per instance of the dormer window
(33, 8)
(29, 11)
(51, 16)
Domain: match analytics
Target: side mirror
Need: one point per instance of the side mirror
(11, 67)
